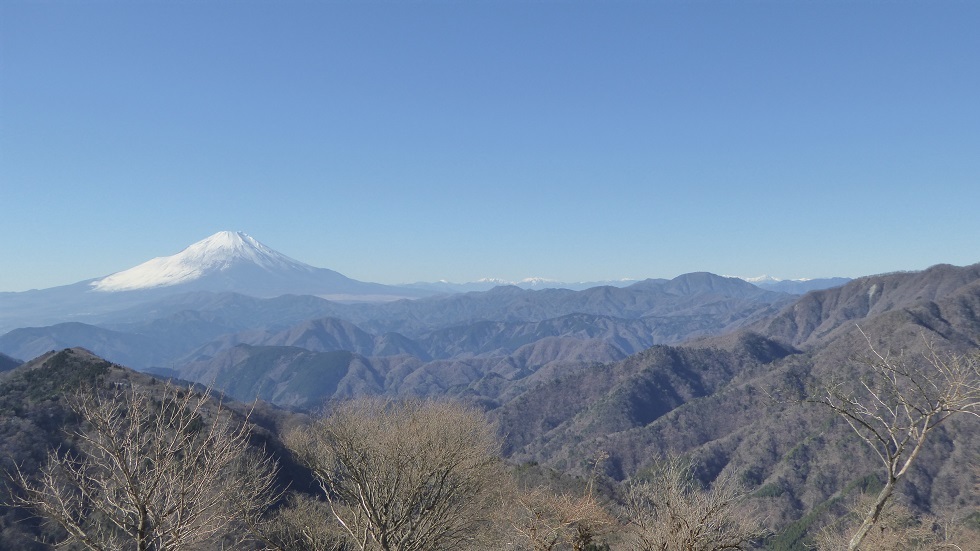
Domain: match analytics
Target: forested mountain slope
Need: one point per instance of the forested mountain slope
(733, 400)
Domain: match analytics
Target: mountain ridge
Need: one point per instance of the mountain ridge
(791, 286)
(188, 326)
(819, 315)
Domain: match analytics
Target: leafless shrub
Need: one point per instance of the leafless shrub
(545, 521)
(540, 519)
(671, 512)
(405, 476)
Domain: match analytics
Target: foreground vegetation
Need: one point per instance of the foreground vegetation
(128, 462)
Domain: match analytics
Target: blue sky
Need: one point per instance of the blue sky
(408, 141)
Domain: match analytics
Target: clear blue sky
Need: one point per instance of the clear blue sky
(407, 141)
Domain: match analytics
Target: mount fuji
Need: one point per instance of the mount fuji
(223, 259)
(226, 262)
(236, 262)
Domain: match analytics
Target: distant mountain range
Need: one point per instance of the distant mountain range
(191, 327)
(488, 283)
(796, 286)
(235, 262)
(193, 312)
(791, 286)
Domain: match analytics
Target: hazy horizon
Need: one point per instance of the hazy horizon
(528, 280)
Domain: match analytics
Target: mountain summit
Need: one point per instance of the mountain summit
(220, 253)
(237, 262)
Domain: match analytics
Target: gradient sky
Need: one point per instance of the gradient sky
(407, 141)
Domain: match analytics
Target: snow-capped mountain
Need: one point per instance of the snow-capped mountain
(224, 262)
(220, 253)
(795, 286)
(766, 279)
(237, 262)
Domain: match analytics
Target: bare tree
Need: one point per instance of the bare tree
(671, 512)
(160, 472)
(404, 476)
(895, 407)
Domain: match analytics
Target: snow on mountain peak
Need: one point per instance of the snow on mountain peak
(536, 281)
(760, 279)
(764, 279)
(228, 245)
(216, 253)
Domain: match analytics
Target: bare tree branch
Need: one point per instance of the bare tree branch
(898, 529)
(895, 407)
